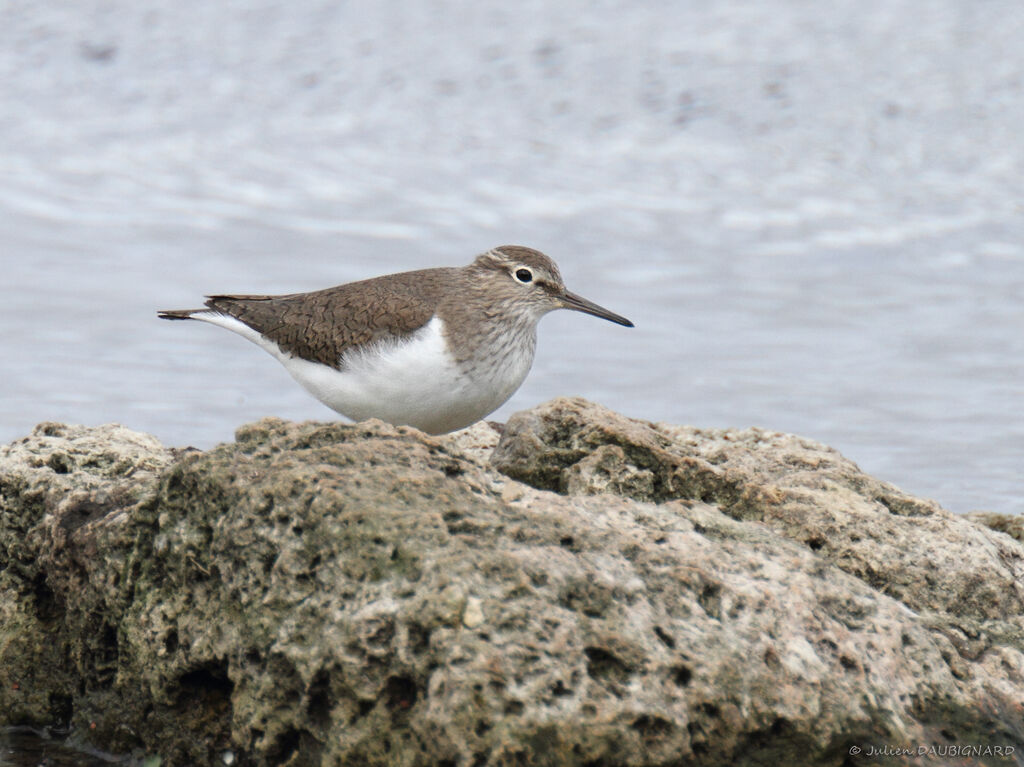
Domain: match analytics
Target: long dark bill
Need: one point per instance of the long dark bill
(580, 304)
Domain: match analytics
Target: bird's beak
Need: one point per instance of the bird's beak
(580, 304)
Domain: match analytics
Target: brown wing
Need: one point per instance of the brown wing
(321, 326)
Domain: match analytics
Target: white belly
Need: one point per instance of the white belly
(415, 382)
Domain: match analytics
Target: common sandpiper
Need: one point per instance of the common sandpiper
(438, 349)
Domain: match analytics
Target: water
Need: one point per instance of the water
(25, 747)
(813, 213)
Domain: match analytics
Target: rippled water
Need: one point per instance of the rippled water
(813, 214)
(24, 747)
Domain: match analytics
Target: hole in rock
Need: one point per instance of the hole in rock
(652, 726)
(602, 664)
(665, 638)
(400, 693)
(681, 675)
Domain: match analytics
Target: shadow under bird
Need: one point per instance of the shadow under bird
(437, 349)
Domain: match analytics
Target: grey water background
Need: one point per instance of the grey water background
(811, 211)
(24, 747)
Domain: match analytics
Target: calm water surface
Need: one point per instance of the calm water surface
(22, 747)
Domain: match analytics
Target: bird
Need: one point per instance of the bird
(437, 349)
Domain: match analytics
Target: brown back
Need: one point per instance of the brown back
(322, 325)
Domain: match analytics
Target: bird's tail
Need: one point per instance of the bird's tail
(178, 314)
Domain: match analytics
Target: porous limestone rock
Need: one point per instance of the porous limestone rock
(589, 590)
(910, 548)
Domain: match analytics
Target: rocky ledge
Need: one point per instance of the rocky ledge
(582, 589)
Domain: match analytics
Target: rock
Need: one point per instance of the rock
(1004, 523)
(589, 590)
(911, 548)
(58, 489)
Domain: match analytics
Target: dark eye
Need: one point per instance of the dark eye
(524, 275)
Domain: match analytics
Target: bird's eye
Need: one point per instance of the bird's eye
(524, 275)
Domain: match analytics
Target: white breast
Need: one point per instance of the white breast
(415, 381)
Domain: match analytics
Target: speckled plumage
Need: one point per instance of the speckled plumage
(434, 348)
